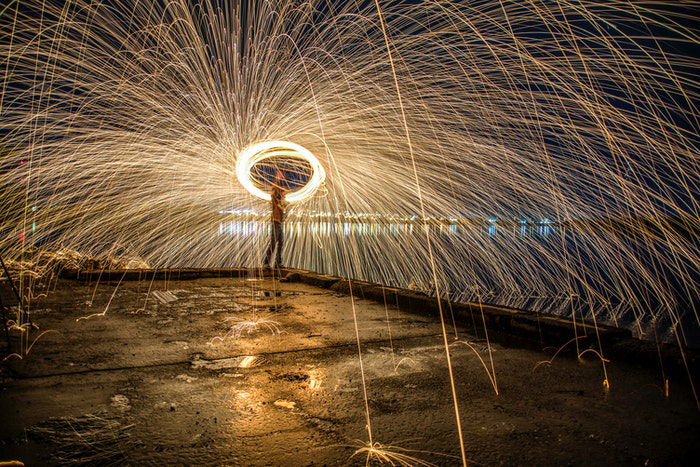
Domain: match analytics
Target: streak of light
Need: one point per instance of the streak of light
(270, 149)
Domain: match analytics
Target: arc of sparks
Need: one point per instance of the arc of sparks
(269, 149)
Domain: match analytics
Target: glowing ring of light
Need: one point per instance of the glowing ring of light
(261, 151)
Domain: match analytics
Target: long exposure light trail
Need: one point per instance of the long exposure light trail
(269, 150)
(130, 130)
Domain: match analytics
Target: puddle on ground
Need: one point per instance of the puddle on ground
(246, 361)
(285, 404)
(186, 378)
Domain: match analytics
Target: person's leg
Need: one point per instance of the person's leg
(280, 244)
(271, 247)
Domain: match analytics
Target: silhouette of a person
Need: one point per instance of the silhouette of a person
(277, 221)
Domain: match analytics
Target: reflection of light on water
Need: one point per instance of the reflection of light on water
(251, 228)
(315, 384)
(316, 377)
(244, 405)
(249, 361)
(241, 228)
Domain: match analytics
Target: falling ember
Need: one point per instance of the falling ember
(243, 327)
(388, 455)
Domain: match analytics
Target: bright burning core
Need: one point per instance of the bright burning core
(260, 151)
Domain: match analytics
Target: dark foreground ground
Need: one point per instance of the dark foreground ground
(147, 383)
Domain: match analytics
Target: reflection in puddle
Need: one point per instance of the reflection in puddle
(246, 361)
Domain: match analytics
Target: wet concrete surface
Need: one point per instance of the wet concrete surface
(260, 372)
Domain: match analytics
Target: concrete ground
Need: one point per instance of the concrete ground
(245, 371)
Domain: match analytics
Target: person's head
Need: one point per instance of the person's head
(279, 180)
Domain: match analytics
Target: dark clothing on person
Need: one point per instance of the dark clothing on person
(277, 205)
(277, 231)
(276, 240)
